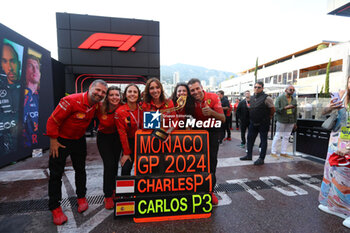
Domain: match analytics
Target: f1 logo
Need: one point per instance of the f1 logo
(151, 120)
(122, 42)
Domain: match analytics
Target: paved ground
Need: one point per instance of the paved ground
(280, 196)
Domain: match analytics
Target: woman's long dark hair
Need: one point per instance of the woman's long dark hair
(105, 104)
(189, 107)
(147, 97)
(126, 90)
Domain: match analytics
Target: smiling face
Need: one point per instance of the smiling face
(155, 90)
(196, 91)
(97, 93)
(181, 91)
(132, 94)
(113, 97)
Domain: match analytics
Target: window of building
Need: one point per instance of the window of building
(320, 69)
(275, 79)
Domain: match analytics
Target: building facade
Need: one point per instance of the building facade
(306, 69)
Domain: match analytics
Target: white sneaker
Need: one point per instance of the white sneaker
(346, 222)
(328, 211)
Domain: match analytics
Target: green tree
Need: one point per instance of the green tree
(326, 85)
(321, 92)
(256, 70)
(321, 46)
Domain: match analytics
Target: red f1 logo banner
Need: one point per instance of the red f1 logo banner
(122, 42)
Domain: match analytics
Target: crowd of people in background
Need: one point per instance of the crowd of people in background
(120, 115)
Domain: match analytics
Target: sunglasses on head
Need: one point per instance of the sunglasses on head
(257, 87)
(291, 89)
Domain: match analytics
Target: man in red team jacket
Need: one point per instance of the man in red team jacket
(208, 105)
(66, 128)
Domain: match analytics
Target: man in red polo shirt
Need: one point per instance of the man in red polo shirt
(208, 105)
(66, 128)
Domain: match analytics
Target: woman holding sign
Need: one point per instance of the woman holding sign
(155, 101)
(129, 120)
(108, 142)
(334, 197)
(182, 89)
(154, 98)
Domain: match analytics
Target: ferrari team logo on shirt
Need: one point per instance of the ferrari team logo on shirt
(104, 117)
(80, 115)
(209, 101)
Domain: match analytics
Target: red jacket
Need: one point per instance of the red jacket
(107, 123)
(212, 100)
(71, 117)
(127, 123)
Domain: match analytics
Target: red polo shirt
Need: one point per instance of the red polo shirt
(127, 123)
(71, 117)
(107, 122)
(212, 100)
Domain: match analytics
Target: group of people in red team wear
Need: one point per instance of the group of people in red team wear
(120, 116)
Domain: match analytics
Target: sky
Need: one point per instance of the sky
(225, 35)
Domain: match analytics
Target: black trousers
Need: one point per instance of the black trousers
(126, 169)
(109, 146)
(229, 121)
(237, 121)
(77, 151)
(254, 129)
(244, 127)
(227, 127)
(213, 152)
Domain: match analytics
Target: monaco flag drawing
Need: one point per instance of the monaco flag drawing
(125, 186)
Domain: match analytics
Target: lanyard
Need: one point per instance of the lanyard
(138, 115)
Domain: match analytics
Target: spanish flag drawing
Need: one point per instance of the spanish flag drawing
(124, 208)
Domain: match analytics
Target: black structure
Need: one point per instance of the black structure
(23, 111)
(312, 138)
(137, 64)
(58, 80)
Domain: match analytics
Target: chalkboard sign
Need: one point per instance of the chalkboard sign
(172, 179)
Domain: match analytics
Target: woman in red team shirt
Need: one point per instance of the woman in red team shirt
(154, 99)
(182, 89)
(128, 120)
(108, 142)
